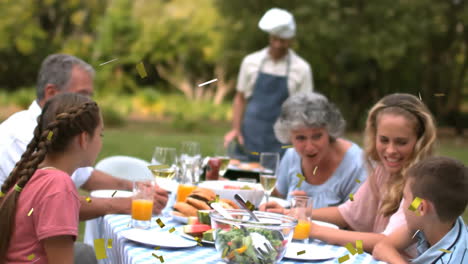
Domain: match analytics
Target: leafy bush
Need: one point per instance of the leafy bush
(23, 97)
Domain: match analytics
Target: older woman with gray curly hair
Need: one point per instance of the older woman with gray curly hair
(332, 167)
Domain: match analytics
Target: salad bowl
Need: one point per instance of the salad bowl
(240, 239)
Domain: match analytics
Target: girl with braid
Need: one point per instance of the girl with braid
(39, 204)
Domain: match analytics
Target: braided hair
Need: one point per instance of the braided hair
(63, 117)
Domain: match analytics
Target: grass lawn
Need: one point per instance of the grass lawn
(138, 139)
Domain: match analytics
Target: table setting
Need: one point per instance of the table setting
(211, 221)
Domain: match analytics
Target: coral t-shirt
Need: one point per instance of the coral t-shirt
(55, 203)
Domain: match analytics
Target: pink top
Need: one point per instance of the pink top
(53, 196)
(361, 214)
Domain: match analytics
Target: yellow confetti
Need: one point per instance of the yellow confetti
(114, 193)
(109, 243)
(161, 258)
(287, 146)
(301, 179)
(49, 136)
(301, 252)
(88, 199)
(158, 167)
(198, 241)
(31, 257)
(415, 204)
(254, 153)
(315, 169)
(99, 248)
(439, 94)
(358, 181)
(343, 259)
(250, 205)
(172, 229)
(157, 248)
(359, 247)
(351, 197)
(141, 70)
(160, 223)
(445, 251)
(351, 248)
(30, 211)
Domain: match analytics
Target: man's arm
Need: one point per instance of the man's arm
(238, 108)
(389, 249)
(59, 249)
(100, 180)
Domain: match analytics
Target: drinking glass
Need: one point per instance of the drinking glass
(164, 166)
(269, 162)
(190, 158)
(222, 155)
(301, 209)
(142, 204)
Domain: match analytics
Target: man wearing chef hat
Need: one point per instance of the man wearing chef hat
(266, 79)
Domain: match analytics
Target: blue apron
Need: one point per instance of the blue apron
(262, 110)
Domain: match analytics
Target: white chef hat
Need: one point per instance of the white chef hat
(278, 22)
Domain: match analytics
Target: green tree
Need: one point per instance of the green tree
(363, 50)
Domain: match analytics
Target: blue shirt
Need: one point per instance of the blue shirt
(335, 190)
(456, 241)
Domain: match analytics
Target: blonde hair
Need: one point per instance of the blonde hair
(414, 110)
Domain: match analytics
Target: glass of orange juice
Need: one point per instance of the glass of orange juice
(142, 204)
(301, 209)
(183, 191)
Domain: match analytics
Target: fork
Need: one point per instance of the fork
(264, 255)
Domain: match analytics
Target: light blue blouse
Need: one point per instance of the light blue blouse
(335, 190)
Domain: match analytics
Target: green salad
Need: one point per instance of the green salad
(237, 245)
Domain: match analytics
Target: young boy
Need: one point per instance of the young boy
(437, 192)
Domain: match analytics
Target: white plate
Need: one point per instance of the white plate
(156, 237)
(179, 219)
(108, 193)
(312, 252)
(254, 195)
(187, 236)
(281, 202)
(326, 224)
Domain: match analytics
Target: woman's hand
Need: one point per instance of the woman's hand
(273, 207)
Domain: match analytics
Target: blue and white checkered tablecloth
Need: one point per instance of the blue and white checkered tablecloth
(128, 252)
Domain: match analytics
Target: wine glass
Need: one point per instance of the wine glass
(190, 159)
(163, 166)
(269, 162)
(222, 155)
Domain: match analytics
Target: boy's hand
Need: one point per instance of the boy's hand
(388, 250)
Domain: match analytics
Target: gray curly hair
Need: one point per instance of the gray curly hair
(56, 69)
(308, 110)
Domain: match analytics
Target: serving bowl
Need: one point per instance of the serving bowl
(252, 192)
(242, 240)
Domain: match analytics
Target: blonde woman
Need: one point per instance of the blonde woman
(399, 132)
